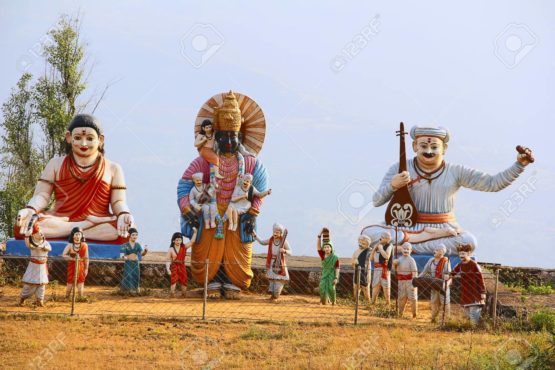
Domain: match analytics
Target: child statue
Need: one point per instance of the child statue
(175, 262)
(202, 198)
(381, 256)
(438, 267)
(240, 202)
(35, 278)
(473, 289)
(205, 143)
(406, 270)
(132, 252)
(361, 258)
(330, 268)
(276, 268)
(76, 250)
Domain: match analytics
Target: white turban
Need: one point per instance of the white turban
(406, 245)
(246, 176)
(441, 247)
(365, 237)
(385, 235)
(278, 227)
(198, 176)
(440, 132)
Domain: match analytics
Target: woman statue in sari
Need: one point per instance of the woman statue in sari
(330, 268)
(132, 252)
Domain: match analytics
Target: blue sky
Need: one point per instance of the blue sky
(334, 80)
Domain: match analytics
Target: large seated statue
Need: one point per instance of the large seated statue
(88, 189)
(433, 185)
(239, 130)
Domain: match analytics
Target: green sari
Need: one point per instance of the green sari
(327, 289)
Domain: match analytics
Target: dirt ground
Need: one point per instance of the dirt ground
(106, 301)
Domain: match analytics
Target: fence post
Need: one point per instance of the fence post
(205, 295)
(496, 269)
(357, 295)
(76, 272)
(445, 287)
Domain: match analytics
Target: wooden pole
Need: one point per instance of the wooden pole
(76, 273)
(495, 298)
(357, 297)
(205, 295)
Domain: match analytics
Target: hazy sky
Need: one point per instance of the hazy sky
(334, 80)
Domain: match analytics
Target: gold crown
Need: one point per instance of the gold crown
(228, 116)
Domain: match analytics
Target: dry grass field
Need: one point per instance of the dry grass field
(295, 333)
(115, 343)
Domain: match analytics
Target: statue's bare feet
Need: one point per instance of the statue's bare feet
(100, 220)
(436, 233)
(213, 225)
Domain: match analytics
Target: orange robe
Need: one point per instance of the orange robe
(82, 265)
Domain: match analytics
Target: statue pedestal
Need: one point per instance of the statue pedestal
(96, 250)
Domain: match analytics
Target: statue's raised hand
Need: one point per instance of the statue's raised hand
(400, 180)
(125, 221)
(525, 155)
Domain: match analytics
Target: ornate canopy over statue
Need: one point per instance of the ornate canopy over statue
(251, 124)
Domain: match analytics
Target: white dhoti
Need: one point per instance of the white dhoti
(405, 290)
(437, 300)
(377, 278)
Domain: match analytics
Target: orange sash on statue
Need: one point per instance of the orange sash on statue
(79, 194)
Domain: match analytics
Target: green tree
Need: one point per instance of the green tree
(21, 161)
(57, 92)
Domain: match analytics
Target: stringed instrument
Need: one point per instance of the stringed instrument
(401, 211)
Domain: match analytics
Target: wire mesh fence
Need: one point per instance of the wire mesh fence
(118, 287)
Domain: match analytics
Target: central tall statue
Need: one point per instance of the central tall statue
(230, 131)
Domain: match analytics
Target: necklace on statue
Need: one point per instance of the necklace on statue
(76, 173)
(428, 175)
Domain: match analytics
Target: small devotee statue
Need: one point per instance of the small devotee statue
(203, 199)
(206, 144)
(406, 270)
(88, 189)
(240, 203)
(77, 254)
(276, 267)
(330, 268)
(132, 252)
(361, 263)
(381, 255)
(433, 184)
(35, 278)
(237, 120)
(438, 268)
(175, 262)
(473, 288)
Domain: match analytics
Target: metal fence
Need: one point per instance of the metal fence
(106, 292)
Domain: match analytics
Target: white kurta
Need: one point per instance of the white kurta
(273, 272)
(406, 266)
(37, 273)
(438, 197)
